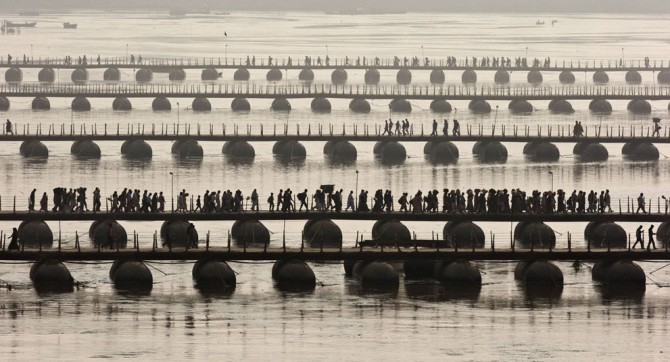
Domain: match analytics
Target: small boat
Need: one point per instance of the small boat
(69, 25)
(21, 25)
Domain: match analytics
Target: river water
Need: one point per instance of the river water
(419, 321)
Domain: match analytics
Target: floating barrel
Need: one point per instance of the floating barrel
(99, 233)
(79, 75)
(479, 106)
(359, 105)
(542, 151)
(490, 151)
(250, 232)
(190, 149)
(4, 103)
(620, 273)
(663, 77)
(242, 74)
(600, 106)
(161, 104)
(639, 106)
(377, 148)
(534, 235)
(85, 149)
(35, 233)
(178, 233)
(404, 76)
(240, 104)
(112, 74)
(561, 106)
(213, 274)
(144, 75)
(534, 77)
(590, 152)
(601, 76)
(289, 149)
(372, 76)
(457, 272)
(642, 151)
(238, 149)
(444, 152)
(339, 76)
(390, 230)
(136, 150)
(418, 269)
(663, 233)
(566, 77)
(121, 104)
(393, 152)
(131, 274)
(633, 77)
(293, 275)
(274, 75)
(538, 272)
(46, 75)
(440, 106)
(33, 148)
(81, 104)
(469, 76)
(177, 75)
(437, 76)
(341, 151)
(322, 232)
(209, 74)
(280, 104)
(602, 235)
(375, 274)
(400, 105)
(306, 75)
(321, 105)
(520, 106)
(328, 147)
(41, 104)
(13, 75)
(463, 234)
(51, 275)
(201, 104)
(501, 77)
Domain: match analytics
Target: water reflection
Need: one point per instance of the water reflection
(432, 291)
(627, 294)
(239, 161)
(290, 161)
(188, 163)
(134, 164)
(541, 295)
(354, 287)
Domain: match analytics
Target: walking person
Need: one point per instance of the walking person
(271, 202)
(638, 238)
(31, 200)
(651, 242)
(8, 127)
(456, 131)
(13, 240)
(350, 202)
(640, 204)
(445, 128)
(434, 133)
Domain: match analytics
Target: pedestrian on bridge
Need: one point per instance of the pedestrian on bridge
(651, 242)
(271, 202)
(434, 133)
(8, 127)
(456, 131)
(638, 238)
(640, 204)
(445, 128)
(13, 240)
(31, 200)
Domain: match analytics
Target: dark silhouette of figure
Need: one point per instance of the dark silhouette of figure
(657, 127)
(13, 240)
(271, 202)
(456, 131)
(638, 238)
(8, 127)
(640, 204)
(31, 200)
(110, 236)
(445, 128)
(651, 242)
(434, 133)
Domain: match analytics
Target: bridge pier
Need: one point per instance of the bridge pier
(131, 275)
(112, 75)
(479, 106)
(404, 76)
(209, 74)
(390, 230)
(240, 104)
(41, 104)
(85, 149)
(242, 74)
(663, 77)
(400, 105)
(359, 105)
(121, 104)
(538, 273)
(639, 106)
(188, 148)
(13, 75)
(601, 77)
(201, 104)
(238, 150)
(534, 235)
(35, 234)
(100, 233)
(566, 77)
(457, 273)
(633, 77)
(51, 275)
(306, 75)
(79, 75)
(440, 106)
(469, 76)
(178, 234)
(274, 75)
(534, 77)
(590, 152)
(144, 75)
(81, 104)
(161, 104)
(490, 151)
(600, 105)
(321, 105)
(604, 235)
(250, 233)
(177, 75)
(340, 151)
(46, 75)
(390, 152)
(620, 273)
(324, 233)
(280, 104)
(444, 152)
(463, 235)
(372, 76)
(289, 149)
(134, 149)
(560, 106)
(33, 148)
(4, 103)
(501, 77)
(376, 275)
(339, 76)
(541, 152)
(520, 106)
(437, 76)
(293, 275)
(640, 151)
(213, 275)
